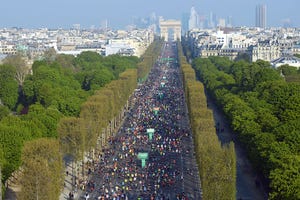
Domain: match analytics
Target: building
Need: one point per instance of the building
(266, 52)
(8, 49)
(286, 60)
(222, 23)
(276, 45)
(218, 50)
(261, 16)
(193, 21)
(222, 38)
(119, 48)
(212, 21)
(185, 22)
(229, 22)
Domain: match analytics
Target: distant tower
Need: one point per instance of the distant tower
(261, 16)
(193, 21)
(185, 22)
(229, 22)
(153, 18)
(201, 21)
(212, 22)
(77, 28)
(222, 23)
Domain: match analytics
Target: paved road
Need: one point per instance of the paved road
(170, 171)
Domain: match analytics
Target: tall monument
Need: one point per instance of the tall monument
(165, 25)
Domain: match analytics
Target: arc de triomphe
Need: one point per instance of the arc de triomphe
(165, 25)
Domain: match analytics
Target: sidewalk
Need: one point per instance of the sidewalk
(68, 186)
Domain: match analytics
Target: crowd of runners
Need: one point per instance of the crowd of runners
(155, 127)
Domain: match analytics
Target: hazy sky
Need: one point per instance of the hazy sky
(119, 13)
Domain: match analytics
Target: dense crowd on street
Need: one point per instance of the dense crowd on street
(159, 105)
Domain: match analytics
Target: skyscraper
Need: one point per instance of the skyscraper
(185, 22)
(193, 22)
(212, 20)
(261, 16)
(229, 22)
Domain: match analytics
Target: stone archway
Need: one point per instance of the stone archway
(165, 25)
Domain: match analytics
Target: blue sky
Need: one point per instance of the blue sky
(119, 13)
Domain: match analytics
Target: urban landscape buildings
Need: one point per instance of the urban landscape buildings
(276, 45)
(33, 42)
(208, 35)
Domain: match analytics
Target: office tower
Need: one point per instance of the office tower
(77, 28)
(222, 23)
(185, 22)
(193, 22)
(153, 18)
(212, 20)
(229, 22)
(201, 21)
(261, 16)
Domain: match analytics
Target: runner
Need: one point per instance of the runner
(157, 125)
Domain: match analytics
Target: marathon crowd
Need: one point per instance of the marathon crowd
(159, 104)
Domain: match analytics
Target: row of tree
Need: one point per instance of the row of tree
(217, 164)
(42, 158)
(148, 59)
(42, 169)
(80, 135)
(264, 111)
(1, 189)
(58, 87)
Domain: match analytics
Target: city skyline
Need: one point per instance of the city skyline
(63, 14)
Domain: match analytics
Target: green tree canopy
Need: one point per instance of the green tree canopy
(8, 86)
(42, 170)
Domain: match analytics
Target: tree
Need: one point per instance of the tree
(94, 117)
(72, 140)
(10, 143)
(71, 137)
(8, 86)
(22, 69)
(217, 165)
(237, 71)
(287, 70)
(46, 118)
(264, 111)
(66, 61)
(50, 55)
(4, 111)
(53, 91)
(42, 170)
(0, 181)
(286, 179)
(243, 56)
